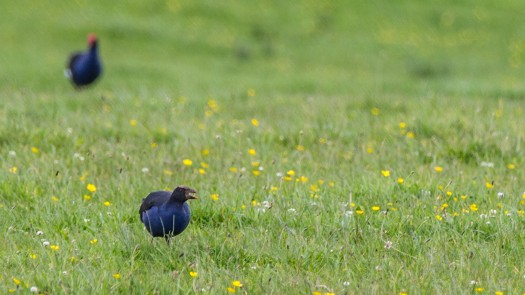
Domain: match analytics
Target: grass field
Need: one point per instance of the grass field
(337, 147)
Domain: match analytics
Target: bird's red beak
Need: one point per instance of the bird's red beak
(92, 38)
(192, 195)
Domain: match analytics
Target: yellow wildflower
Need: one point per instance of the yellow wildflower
(438, 169)
(473, 207)
(83, 177)
(385, 173)
(214, 197)
(400, 180)
(376, 208)
(193, 274)
(300, 147)
(213, 105)
(237, 284)
(489, 185)
(187, 162)
(375, 111)
(91, 187)
(35, 150)
(107, 204)
(133, 122)
(252, 152)
(117, 276)
(93, 242)
(13, 169)
(255, 122)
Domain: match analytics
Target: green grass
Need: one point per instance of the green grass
(329, 84)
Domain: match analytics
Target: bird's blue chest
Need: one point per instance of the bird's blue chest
(86, 69)
(167, 219)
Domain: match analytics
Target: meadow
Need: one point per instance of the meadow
(337, 147)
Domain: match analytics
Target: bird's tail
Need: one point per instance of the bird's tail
(68, 74)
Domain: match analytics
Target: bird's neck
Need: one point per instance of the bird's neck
(93, 49)
(175, 201)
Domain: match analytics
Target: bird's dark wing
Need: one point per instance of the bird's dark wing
(73, 58)
(154, 199)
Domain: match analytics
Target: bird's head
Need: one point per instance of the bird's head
(184, 193)
(92, 39)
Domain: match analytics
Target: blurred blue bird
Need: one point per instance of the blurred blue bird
(167, 214)
(84, 68)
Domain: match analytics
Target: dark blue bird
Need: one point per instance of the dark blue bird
(167, 214)
(84, 68)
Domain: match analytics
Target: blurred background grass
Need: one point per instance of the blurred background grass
(307, 47)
